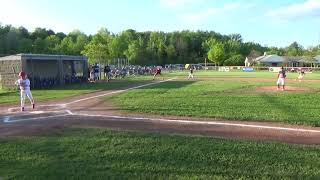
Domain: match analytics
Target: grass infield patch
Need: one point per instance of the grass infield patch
(60, 92)
(234, 100)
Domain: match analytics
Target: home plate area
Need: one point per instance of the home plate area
(38, 108)
(42, 112)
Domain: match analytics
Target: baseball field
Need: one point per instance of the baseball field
(220, 125)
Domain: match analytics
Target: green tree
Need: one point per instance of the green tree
(61, 35)
(235, 60)
(133, 52)
(24, 33)
(96, 53)
(294, 49)
(233, 47)
(97, 50)
(40, 46)
(216, 53)
(310, 55)
(118, 46)
(25, 46)
(73, 43)
(53, 44)
(171, 53)
(41, 33)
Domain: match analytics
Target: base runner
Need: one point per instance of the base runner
(158, 72)
(24, 85)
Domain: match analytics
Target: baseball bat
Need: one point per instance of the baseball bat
(15, 75)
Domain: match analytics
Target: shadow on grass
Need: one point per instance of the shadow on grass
(101, 85)
(9, 93)
(169, 85)
(290, 111)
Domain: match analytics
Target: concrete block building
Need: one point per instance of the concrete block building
(43, 70)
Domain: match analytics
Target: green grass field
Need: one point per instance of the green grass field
(111, 154)
(108, 154)
(259, 74)
(60, 92)
(235, 100)
(12, 96)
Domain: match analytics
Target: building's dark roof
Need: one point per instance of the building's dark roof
(43, 57)
(281, 59)
(270, 59)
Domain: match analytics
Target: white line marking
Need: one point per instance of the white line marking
(115, 92)
(48, 105)
(37, 118)
(205, 122)
(6, 119)
(37, 112)
(92, 97)
(69, 112)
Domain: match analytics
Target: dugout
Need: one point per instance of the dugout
(43, 70)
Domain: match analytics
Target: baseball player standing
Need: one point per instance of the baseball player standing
(191, 69)
(281, 79)
(24, 84)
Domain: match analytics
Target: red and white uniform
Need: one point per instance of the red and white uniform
(158, 71)
(281, 78)
(301, 75)
(24, 85)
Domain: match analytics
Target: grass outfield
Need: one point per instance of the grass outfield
(235, 100)
(259, 74)
(108, 154)
(10, 97)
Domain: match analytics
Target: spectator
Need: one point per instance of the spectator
(96, 71)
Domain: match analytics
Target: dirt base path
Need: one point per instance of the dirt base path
(91, 110)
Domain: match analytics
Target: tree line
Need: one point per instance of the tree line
(143, 48)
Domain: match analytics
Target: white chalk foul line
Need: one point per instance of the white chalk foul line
(8, 119)
(92, 97)
(10, 110)
(205, 123)
(116, 92)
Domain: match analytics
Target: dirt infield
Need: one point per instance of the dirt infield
(256, 79)
(287, 88)
(91, 110)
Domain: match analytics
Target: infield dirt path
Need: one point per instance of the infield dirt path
(91, 110)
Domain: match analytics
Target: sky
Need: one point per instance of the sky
(268, 22)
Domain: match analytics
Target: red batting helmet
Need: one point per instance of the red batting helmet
(22, 74)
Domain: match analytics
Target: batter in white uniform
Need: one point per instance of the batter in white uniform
(24, 85)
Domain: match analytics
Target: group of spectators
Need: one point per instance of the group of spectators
(112, 72)
(94, 72)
